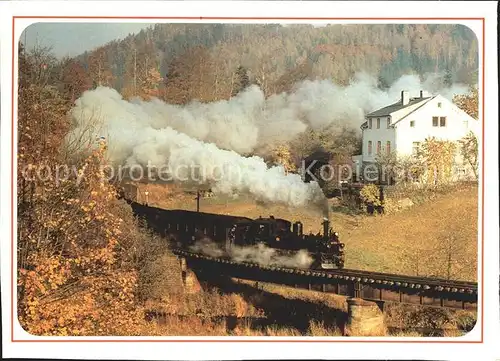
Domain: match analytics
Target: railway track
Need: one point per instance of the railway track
(380, 287)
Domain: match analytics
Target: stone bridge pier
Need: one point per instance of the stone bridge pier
(189, 278)
(364, 318)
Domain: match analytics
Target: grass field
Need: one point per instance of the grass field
(437, 238)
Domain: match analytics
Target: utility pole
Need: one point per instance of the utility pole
(146, 193)
(197, 200)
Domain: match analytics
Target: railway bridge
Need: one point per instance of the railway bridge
(356, 284)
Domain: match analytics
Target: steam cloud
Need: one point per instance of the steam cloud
(207, 140)
(249, 121)
(259, 254)
(132, 140)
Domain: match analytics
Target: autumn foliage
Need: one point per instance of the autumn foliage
(76, 265)
(469, 103)
(75, 270)
(370, 194)
(281, 155)
(438, 158)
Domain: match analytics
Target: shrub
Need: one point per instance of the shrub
(370, 195)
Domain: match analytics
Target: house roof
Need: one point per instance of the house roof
(385, 111)
(414, 110)
(394, 108)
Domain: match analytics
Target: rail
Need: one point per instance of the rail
(373, 286)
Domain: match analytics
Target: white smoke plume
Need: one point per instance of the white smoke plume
(207, 247)
(133, 141)
(260, 254)
(203, 142)
(249, 121)
(266, 256)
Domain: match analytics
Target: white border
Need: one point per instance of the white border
(264, 9)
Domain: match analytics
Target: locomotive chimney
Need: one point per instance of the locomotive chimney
(297, 228)
(326, 227)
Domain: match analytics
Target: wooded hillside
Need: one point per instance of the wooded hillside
(207, 62)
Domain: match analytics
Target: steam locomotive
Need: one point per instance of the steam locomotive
(279, 234)
(186, 228)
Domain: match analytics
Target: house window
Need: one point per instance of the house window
(370, 123)
(439, 121)
(416, 145)
(369, 147)
(388, 148)
(439, 105)
(388, 123)
(379, 146)
(378, 123)
(412, 124)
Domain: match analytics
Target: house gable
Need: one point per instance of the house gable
(445, 107)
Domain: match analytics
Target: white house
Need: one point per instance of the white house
(401, 127)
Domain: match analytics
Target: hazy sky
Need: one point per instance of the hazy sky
(75, 38)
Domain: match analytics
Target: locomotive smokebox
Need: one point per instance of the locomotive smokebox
(326, 227)
(298, 228)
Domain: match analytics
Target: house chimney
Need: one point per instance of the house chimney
(405, 97)
(423, 94)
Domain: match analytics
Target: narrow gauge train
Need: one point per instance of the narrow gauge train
(188, 227)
